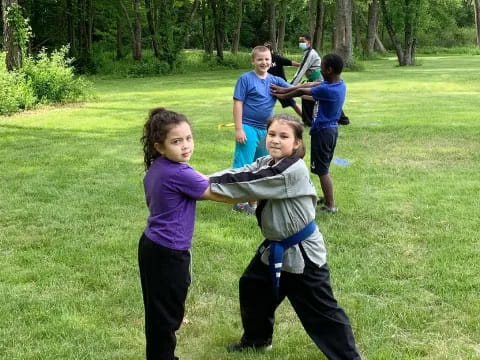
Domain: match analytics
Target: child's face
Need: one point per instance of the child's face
(281, 141)
(302, 40)
(178, 145)
(262, 61)
(326, 71)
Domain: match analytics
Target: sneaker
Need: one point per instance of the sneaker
(244, 208)
(326, 209)
(240, 346)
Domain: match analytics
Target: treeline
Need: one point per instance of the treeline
(129, 28)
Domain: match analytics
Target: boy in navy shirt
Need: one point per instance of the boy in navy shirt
(330, 95)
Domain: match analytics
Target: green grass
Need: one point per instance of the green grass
(403, 250)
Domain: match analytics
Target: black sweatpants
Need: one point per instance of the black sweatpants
(312, 298)
(165, 278)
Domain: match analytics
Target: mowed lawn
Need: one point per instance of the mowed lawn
(404, 248)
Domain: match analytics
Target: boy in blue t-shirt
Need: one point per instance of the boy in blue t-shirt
(252, 107)
(330, 95)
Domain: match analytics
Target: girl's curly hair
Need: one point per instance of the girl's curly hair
(155, 130)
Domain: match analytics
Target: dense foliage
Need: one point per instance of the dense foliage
(43, 79)
(103, 31)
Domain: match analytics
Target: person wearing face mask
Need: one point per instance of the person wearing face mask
(310, 64)
(310, 68)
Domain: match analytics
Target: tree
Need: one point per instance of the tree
(151, 28)
(372, 26)
(238, 26)
(219, 15)
(85, 32)
(282, 16)
(476, 8)
(13, 23)
(272, 24)
(343, 31)
(70, 17)
(137, 32)
(408, 12)
(318, 27)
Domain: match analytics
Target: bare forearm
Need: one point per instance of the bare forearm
(209, 195)
(237, 114)
(294, 92)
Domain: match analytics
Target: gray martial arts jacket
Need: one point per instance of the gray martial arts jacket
(290, 206)
(310, 63)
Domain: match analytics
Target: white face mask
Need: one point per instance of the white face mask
(303, 46)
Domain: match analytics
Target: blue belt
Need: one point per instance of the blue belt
(277, 249)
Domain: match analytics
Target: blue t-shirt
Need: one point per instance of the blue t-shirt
(171, 191)
(254, 92)
(330, 97)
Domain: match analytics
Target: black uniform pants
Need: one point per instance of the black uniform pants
(165, 278)
(312, 298)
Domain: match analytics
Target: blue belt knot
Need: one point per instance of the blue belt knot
(277, 249)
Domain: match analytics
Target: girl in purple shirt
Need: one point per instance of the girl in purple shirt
(172, 188)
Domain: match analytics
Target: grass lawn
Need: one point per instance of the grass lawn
(404, 249)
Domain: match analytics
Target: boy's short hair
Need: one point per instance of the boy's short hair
(307, 37)
(258, 49)
(334, 62)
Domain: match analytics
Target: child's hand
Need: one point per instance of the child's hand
(240, 136)
(275, 89)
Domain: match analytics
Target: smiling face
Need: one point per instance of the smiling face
(178, 145)
(281, 141)
(262, 60)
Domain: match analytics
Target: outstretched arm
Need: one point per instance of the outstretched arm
(287, 93)
(209, 195)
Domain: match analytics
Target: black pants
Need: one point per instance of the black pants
(165, 277)
(307, 112)
(312, 299)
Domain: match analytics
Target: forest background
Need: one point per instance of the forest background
(148, 37)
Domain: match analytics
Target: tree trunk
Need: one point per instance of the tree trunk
(207, 28)
(311, 16)
(357, 27)
(84, 34)
(151, 28)
(218, 14)
(13, 59)
(89, 24)
(282, 14)
(408, 30)
(379, 45)
(318, 29)
(120, 53)
(391, 32)
(70, 19)
(272, 24)
(476, 7)
(137, 32)
(343, 31)
(238, 27)
(406, 53)
(130, 24)
(372, 26)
